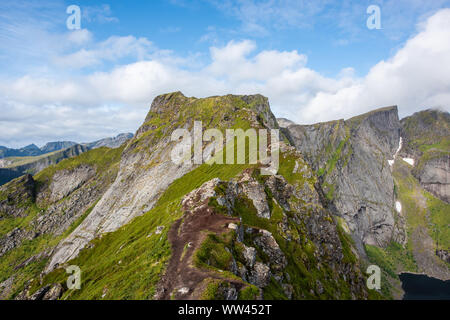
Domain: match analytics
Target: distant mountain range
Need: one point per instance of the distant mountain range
(32, 159)
(32, 150)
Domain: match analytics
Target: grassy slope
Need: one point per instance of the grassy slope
(105, 160)
(142, 258)
(127, 263)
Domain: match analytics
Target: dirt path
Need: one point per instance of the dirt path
(182, 280)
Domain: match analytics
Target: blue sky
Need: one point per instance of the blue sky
(315, 60)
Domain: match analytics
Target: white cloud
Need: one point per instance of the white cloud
(51, 108)
(417, 76)
(102, 14)
(111, 50)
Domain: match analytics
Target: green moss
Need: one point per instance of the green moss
(250, 292)
(347, 243)
(211, 291)
(439, 227)
(334, 156)
(213, 253)
(274, 291)
(8, 223)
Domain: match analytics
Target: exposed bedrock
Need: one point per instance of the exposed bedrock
(351, 158)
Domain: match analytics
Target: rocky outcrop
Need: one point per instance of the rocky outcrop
(48, 292)
(14, 238)
(426, 139)
(256, 255)
(66, 181)
(444, 255)
(351, 158)
(434, 175)
(15, 195)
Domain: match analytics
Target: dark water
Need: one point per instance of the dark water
(419, 286)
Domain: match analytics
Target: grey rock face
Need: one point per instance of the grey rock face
(352, 158)
(14, 238)
(249, 256)
(65, 182)
(68, 196)
(114, 142)
(260, 275)
(121, 203)
(284, 123)
(434, 176)
(444, 255)
(5, 287)
(270, 247)
(256, 193)
(142, 178)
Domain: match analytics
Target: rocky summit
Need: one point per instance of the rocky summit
(370, 190)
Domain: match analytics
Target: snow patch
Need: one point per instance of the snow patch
(398, 206)
(400, 144)
(409, 160)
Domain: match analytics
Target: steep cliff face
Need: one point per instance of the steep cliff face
(352, 160)
(427, 141)
(434, 174)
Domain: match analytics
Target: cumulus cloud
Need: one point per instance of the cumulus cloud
(416, 77)
(37, 109)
